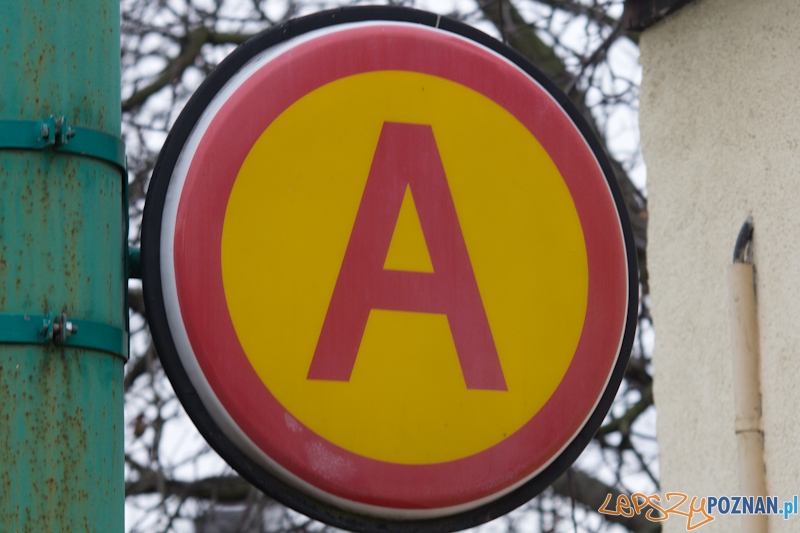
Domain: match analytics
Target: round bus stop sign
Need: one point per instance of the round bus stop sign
(388, 270)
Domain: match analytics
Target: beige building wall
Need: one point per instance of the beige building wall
(720, 124)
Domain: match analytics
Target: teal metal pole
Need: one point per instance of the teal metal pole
(62, 242)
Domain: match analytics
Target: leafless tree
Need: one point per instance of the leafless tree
(174, 481)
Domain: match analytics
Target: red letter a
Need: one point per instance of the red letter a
(407, 156)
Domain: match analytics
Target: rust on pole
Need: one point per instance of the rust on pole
(62, 253)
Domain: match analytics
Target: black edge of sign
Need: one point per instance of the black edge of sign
(162, 337)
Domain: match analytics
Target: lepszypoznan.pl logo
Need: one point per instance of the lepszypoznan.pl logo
(697, 511)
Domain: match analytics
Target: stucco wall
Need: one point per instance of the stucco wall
(720, 124)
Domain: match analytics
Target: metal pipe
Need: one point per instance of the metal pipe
(62, 238)
(746, 381)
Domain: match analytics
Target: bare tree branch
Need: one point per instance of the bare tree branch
(623, 424)
(191, 45)
(591, 493)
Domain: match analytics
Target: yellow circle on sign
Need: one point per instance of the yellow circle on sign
(287, 226)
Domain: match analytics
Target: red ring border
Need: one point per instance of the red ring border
(225, 144)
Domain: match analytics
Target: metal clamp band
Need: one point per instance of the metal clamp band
(63, 331)
(57, 134)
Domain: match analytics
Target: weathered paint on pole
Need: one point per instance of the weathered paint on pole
(61, 251)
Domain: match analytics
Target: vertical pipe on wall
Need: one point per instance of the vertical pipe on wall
(62, 229)
(746, 382)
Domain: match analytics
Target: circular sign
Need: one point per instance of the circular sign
(388, 270)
